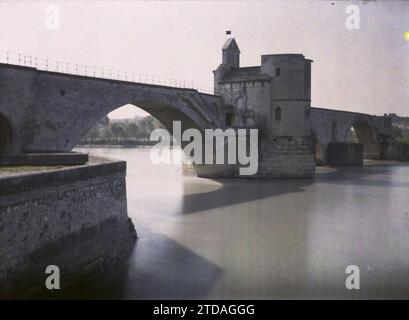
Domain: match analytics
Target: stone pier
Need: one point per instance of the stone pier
(74, 217)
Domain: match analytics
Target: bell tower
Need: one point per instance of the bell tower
(231, 54)
(230, 60)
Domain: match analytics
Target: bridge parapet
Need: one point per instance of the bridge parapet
(92, 71)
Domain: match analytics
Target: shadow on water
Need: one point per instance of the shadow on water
(250, 236)
(238, 191)
(171, 271)
(245, 190)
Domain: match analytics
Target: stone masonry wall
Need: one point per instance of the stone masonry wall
(287, 159)
(278, 159)
(75, 218)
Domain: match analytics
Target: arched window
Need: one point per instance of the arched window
(334, 132)
(278, 114)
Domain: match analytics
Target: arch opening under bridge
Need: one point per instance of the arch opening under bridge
(362, 132)
(164, 114)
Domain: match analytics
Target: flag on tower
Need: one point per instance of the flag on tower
(228, 32)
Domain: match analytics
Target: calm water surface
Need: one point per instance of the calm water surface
(246, 239)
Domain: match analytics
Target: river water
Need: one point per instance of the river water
(266, 239)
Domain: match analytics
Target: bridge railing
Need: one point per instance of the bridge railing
(20, 59)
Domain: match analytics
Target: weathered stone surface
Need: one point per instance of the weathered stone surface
(75, 218)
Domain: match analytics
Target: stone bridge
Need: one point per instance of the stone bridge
(46, 111)
(334, 126)
(43, 111)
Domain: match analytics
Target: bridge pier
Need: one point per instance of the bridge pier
(372, 151)
(278, 159)
(383, 149)
(345, 154)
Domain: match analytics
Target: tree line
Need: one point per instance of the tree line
(134, 131)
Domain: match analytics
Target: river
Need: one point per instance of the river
(260, 239)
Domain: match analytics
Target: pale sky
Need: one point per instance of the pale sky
(364, 70)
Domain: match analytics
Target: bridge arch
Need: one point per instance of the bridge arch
(62, 108)
(164, 113)
(364, 133)
(5, 135)
(62, 120)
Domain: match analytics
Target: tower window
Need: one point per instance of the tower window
(229, 119)
(278, 72)
(278, 114)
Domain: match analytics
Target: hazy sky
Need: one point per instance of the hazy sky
(364, 70)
